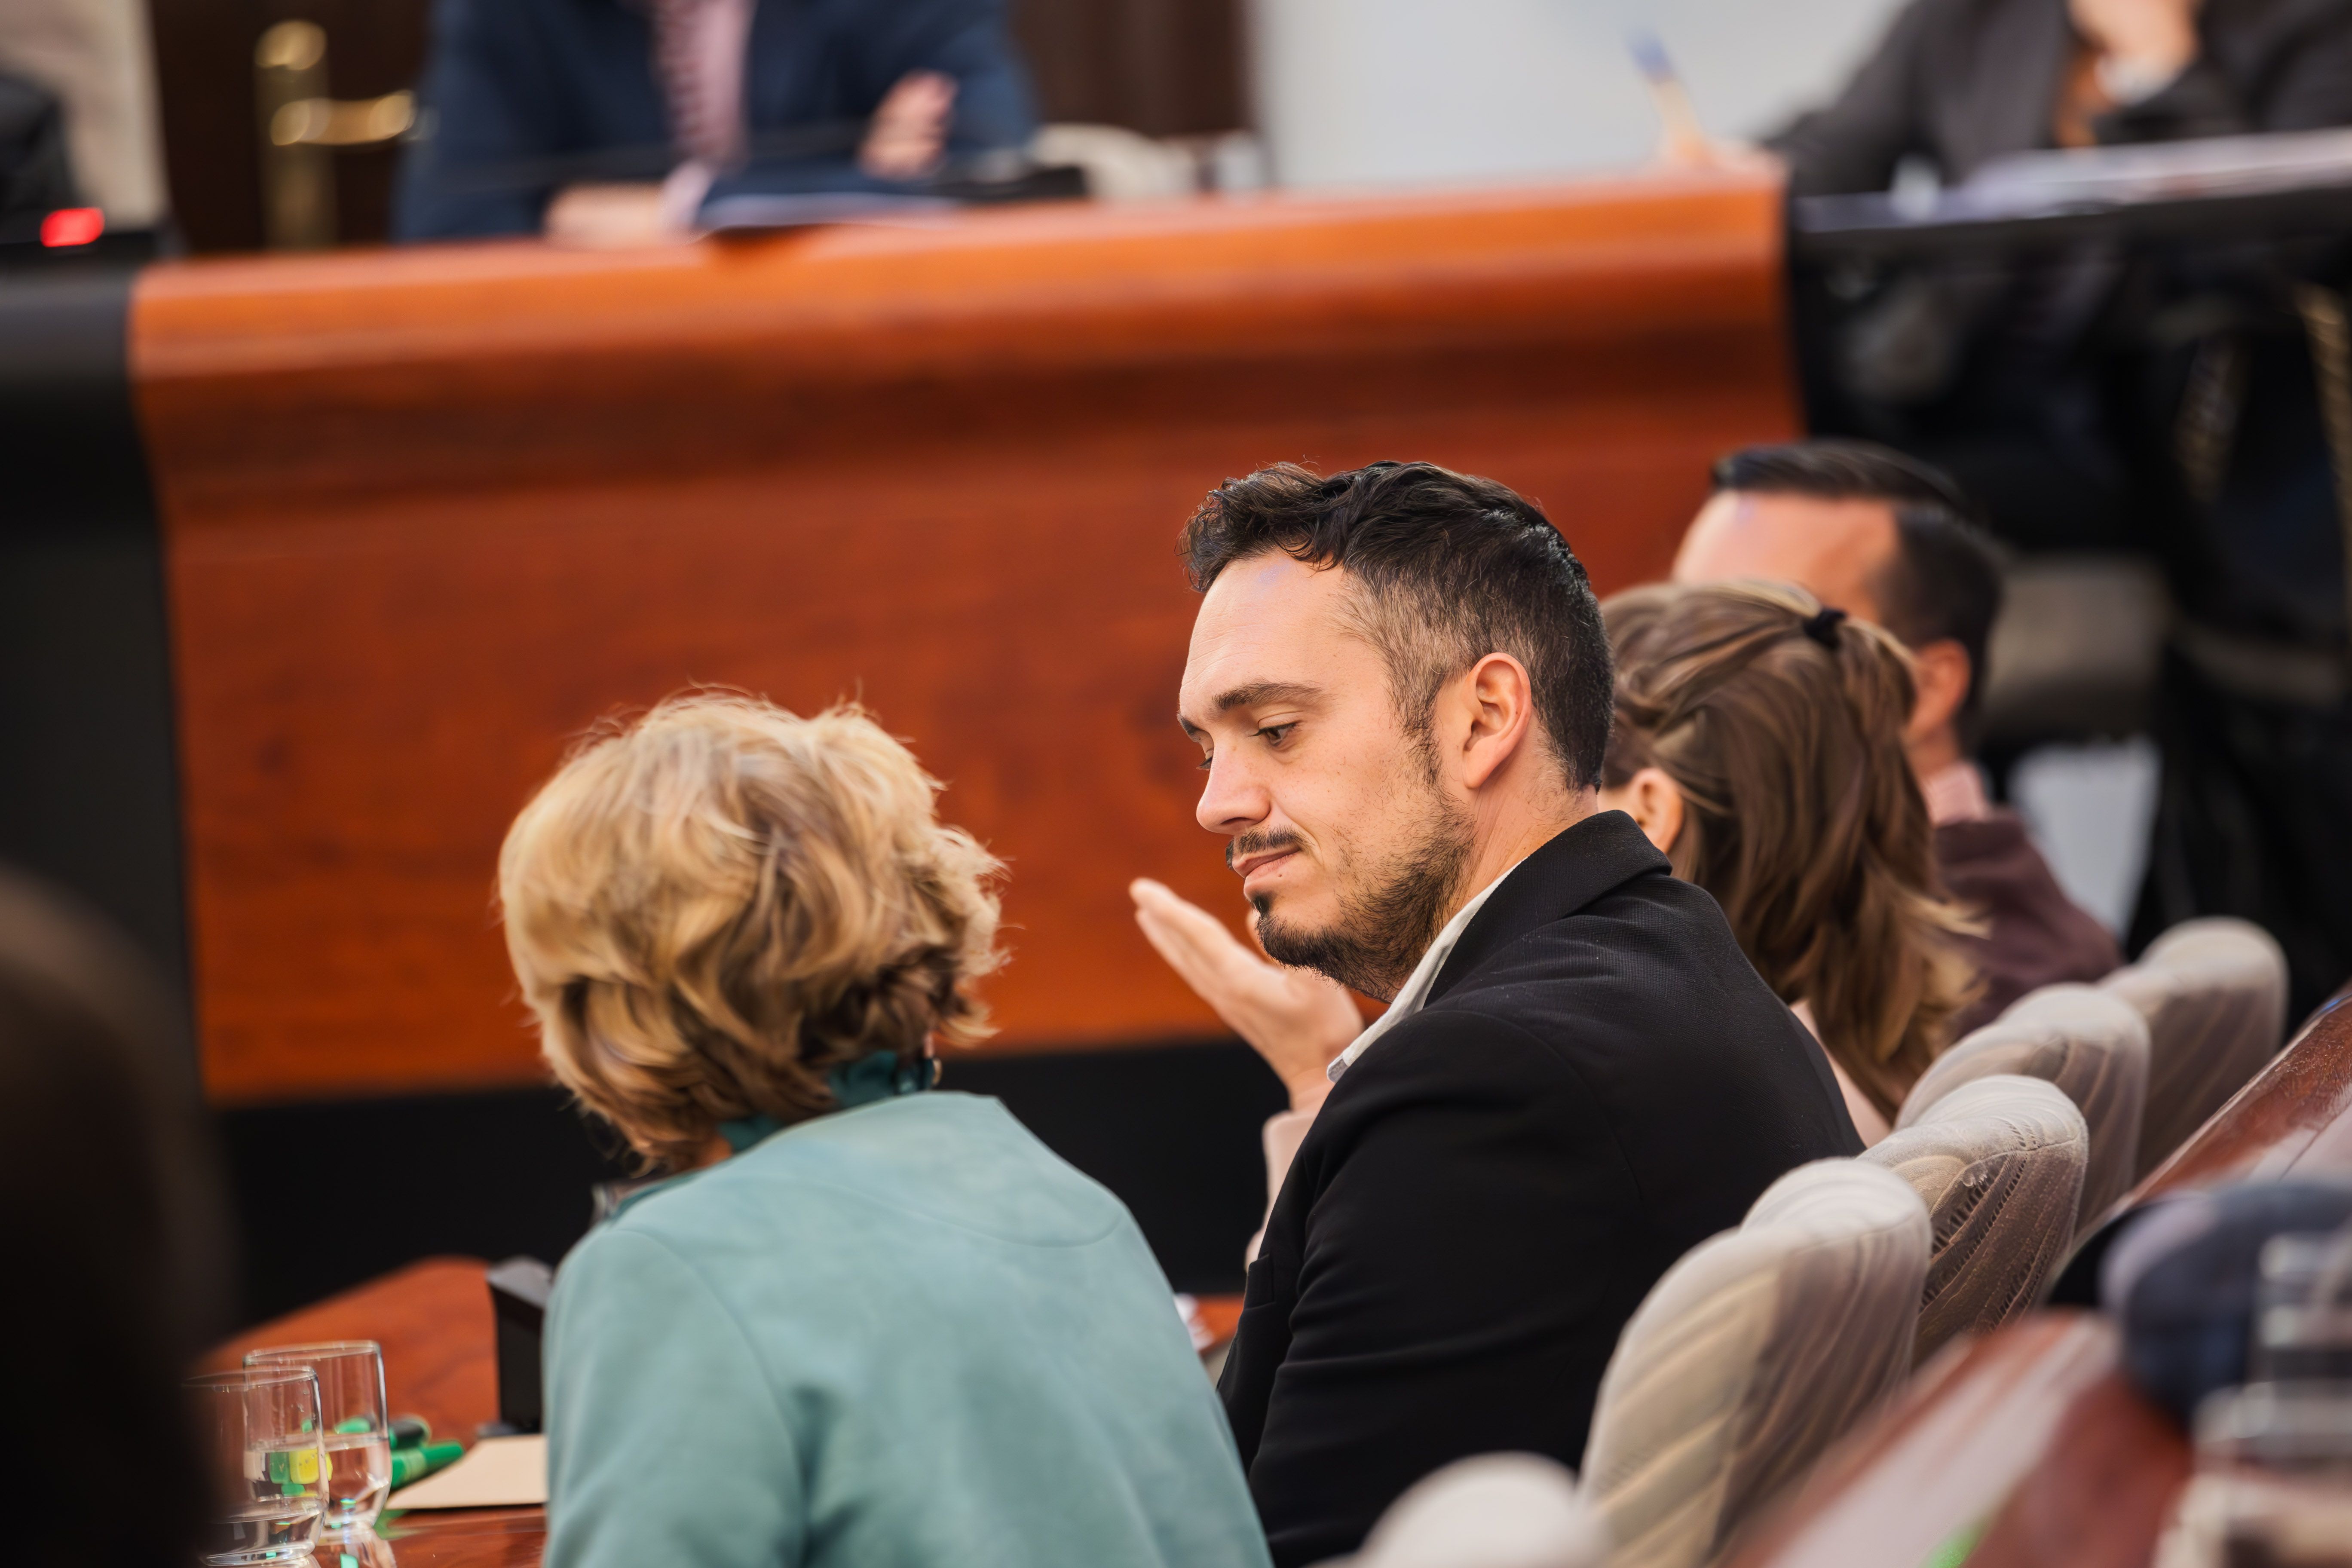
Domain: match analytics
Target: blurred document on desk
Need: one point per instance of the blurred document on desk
(754, 211)
(2078, 180)
(498, 1472)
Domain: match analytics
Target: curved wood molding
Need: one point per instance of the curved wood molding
(1956, 1442)
(431, 513)
(2294, 1116)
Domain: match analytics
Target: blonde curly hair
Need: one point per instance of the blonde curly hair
(712, 908)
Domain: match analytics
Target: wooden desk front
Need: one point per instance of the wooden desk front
(430, 514)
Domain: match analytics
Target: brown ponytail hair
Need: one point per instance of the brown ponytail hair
(1783, 725)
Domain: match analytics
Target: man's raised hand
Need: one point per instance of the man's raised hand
(1296, 1019)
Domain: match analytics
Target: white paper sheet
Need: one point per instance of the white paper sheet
(497, 1472)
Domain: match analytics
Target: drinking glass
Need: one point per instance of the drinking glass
(267, 1470)
(2273, 1482)
(2302, 1311)
(356, 1426)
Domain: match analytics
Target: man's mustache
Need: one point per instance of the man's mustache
(1266, 843)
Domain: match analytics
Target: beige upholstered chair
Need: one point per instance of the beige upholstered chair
(1999, 1164)
(1497, 1510)
(2214, 994)
(2091, 1045)
(1757, 1349)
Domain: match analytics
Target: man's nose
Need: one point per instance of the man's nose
(1232, 802)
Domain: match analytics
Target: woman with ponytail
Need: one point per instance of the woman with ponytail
(1759, 743)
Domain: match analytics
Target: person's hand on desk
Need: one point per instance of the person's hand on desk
(1686, 152)
(908, 134)
(2141, 44)
(605, 217)
(1294, 1018)
(904, 141)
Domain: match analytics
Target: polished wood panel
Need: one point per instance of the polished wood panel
(1221, 1316)
(2098, 1492)
(2029, 1442)
(1944, 1456)
(431, 513)
(2294, 1116)
(470, 1538)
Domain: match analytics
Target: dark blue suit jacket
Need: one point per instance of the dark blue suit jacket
(517, 83)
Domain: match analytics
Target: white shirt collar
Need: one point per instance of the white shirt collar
(1415, 994)
(1956, 793)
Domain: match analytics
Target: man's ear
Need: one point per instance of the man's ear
(1497, 714)
(1940, 674)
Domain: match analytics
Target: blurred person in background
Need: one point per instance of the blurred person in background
(114, 1221)
(1994, 370)
(868, 1322)
(37, 174)
(1888, 538)
(2172, 398)
(538, 113)
(100, 145)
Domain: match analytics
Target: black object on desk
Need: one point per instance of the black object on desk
(520, 1288)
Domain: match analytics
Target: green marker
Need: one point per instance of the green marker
(415, 1464)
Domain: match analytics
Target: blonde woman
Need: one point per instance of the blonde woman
(868, 1322)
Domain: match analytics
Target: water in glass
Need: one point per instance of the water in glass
(268, 1468)
(356, 1421)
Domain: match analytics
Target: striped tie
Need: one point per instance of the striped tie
(699, 48)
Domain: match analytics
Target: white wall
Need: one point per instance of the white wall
(1353, 92)
(94, 55)
(2090, 808)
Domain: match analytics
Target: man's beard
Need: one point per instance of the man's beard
(1384, 929)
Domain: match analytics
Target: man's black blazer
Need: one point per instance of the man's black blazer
(1599, 1082)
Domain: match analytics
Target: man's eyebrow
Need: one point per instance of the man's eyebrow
(1258, 695)
(1265, 693)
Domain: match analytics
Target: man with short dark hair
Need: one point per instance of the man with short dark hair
(1400, 687)
(1888, 539)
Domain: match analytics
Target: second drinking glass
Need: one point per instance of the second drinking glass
(357, 1427)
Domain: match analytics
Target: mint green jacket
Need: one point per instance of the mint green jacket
(903, 1335)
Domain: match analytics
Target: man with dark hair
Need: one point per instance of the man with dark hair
(1888, 539)
(1400, 687)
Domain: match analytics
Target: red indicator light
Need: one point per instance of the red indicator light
(72, 226)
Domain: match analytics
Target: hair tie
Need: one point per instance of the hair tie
(1822, 627)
